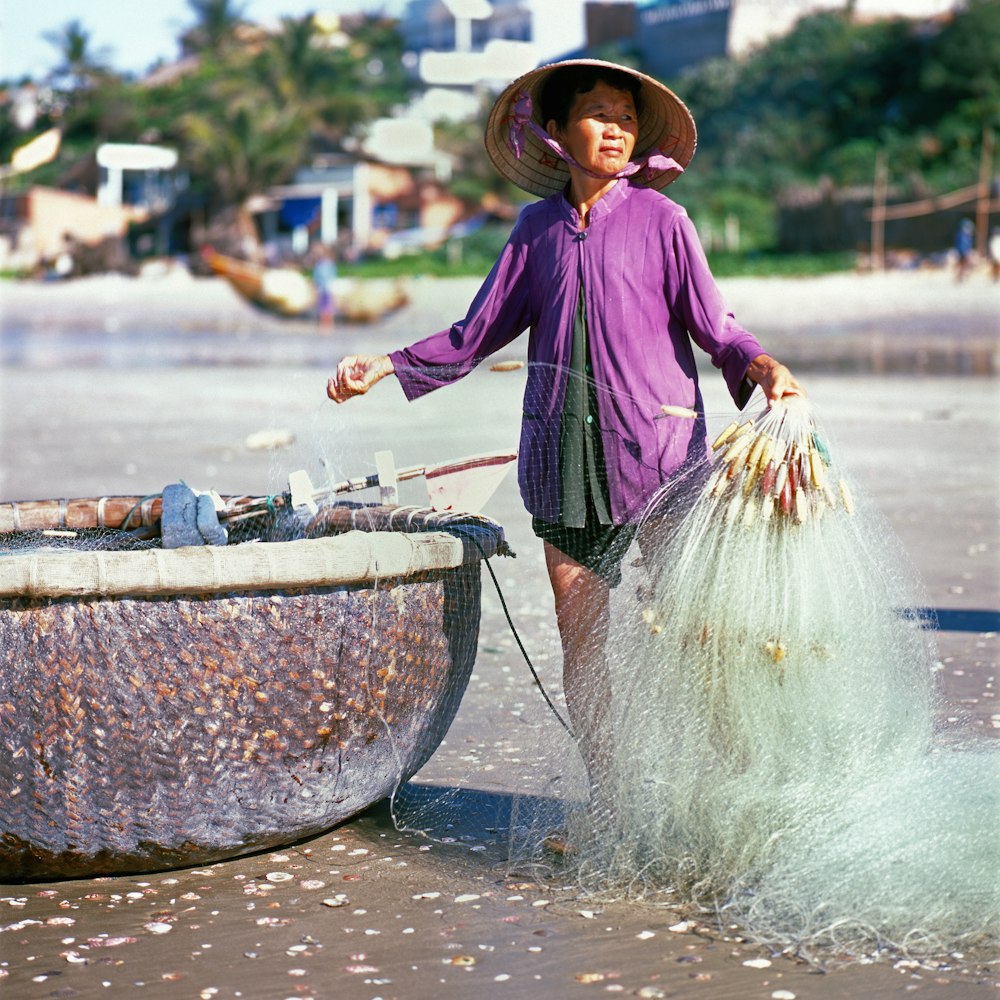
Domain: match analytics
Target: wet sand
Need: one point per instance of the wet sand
(115, 386)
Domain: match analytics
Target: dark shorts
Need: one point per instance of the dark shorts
(599, 547)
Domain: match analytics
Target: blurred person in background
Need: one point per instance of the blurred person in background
(964, 242)
(324, 274)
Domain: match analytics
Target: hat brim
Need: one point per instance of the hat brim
(665, 126)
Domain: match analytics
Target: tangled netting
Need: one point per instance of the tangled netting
(769, 742)
(761, 729)
(771, 745)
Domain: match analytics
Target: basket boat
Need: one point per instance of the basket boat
(277, 289)
(169, 707)
(288, 292)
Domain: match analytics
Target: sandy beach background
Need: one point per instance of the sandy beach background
(114, 385)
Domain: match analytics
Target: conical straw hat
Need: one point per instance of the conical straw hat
(665, 126)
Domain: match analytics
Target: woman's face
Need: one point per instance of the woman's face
(601, 129)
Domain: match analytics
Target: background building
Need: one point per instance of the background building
(672, 35)
(552, 26)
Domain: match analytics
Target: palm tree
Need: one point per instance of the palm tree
(257, 114)
(216, 23)
(337, 87)
(240, 142)
(291, 63)
(79, 64)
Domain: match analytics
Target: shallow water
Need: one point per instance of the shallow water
(159, 347)
(844, 349)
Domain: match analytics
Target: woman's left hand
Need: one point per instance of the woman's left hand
(774, 378)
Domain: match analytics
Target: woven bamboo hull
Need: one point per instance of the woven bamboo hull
(143, 733)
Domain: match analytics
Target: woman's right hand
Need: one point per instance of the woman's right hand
(356, 374)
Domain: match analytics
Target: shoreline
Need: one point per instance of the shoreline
(910, 322)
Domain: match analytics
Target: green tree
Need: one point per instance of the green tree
(240, 141)
(819, 103)
(960, 83)
(367, 79)
(215, 26)
(474, 178)
(295, 70)
(80, 65)
(251, 114)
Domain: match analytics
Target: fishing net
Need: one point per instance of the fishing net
(757, 729)
(774, 749)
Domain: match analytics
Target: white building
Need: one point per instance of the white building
(554, 26)
(463, 48)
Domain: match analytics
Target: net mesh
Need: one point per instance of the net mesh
(773, 746)
(757, 729)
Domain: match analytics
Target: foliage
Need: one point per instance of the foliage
(821, 101)
(253, 108)
(79, 63)
(474, 178)
(215, 26)
(471, 256)
(815, 105)
(338, 86)
(474, 255)
(261, 144)
(779, 265)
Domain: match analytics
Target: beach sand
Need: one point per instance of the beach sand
(114, 385)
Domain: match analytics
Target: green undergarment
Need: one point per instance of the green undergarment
(581, 457)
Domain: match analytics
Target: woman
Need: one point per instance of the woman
(610, 279)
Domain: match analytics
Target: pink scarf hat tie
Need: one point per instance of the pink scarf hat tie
(520, 118)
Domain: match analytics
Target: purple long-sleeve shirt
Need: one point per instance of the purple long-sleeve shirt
(649, 293)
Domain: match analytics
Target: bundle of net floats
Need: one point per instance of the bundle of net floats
(775, 464)
(186, 677)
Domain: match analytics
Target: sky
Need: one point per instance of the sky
(134, 33)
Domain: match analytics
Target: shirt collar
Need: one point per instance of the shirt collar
(615, 197)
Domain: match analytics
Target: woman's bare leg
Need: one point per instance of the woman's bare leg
(582, 602)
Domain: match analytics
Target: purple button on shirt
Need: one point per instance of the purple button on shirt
(650, 296)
